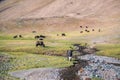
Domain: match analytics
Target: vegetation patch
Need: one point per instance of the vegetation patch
(21, 60)
(112, 50)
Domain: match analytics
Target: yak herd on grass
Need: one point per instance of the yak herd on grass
(40, 38)
(87, 29)
(17, 36)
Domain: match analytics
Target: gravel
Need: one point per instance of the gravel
(37, 74)
(98, 67)
(100, 58)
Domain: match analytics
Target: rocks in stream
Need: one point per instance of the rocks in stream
(86, 67)
(98, 67)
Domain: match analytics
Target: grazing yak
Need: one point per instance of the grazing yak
(36, 37)
(81, 31)
(99, 30)
(93, 30)
(41, 36)
(88, 31)
(80, 26)
(20, 36)
(15, 36)
(34, 32)
(40, 43)
(57, 34)
(86, 26)
(63, 34)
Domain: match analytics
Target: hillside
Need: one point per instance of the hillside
(53, 15)
(49, 8)
(39, 33)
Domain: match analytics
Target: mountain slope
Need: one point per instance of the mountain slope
(53, 15)
(49, 8)
(47, 16)
(19, 8)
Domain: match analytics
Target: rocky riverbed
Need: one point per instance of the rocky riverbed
(101, 67)
(87, 67)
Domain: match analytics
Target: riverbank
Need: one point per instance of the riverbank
(88, 66)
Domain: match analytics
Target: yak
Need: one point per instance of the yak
(40, 43)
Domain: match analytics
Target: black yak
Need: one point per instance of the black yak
(88, 31)
(63, 34)
(80, 26)
(15, 36)
(99, 30)
(40, 43)
(20, 36)
(81, 31)
(36, 37)
(86, 26)
(93, 30)
(34, 32)
(41, 36)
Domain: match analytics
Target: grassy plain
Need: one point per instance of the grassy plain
(22, 53)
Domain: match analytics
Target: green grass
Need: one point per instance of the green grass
(96, 78)
(112, 50)
(5, 64)
(24, 55)
(10, 37)
(23, 60)
(29, 46)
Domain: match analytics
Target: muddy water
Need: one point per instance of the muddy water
(70, 73)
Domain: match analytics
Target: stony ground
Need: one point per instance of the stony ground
(98, 66)
(37, 74)
(101, 67)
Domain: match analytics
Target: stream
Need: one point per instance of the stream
(86, 66)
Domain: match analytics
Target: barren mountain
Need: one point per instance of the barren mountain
(54, 14)
(12, 9)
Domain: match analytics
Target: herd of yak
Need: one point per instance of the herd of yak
(40, 38)
(87, 30)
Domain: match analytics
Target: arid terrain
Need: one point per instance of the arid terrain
(63, 23)
(60, 15)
